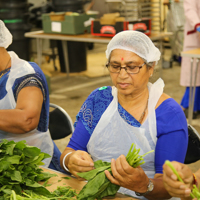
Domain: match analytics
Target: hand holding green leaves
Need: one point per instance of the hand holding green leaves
(177, 191)
(98, 185)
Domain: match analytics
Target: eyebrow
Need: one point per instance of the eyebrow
(129, 62)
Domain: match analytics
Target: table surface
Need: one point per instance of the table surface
(85, 37)
(74, 183)
(195, 53)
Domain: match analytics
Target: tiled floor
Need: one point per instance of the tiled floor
(70, 92)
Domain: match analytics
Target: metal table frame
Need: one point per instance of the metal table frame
(40, 35)
(193, 54)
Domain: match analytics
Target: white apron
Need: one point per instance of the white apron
(113, 136)
(36, 138)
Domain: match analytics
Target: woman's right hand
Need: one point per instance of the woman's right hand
(171, 183)
(79, 161)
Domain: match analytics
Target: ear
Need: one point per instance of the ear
(151, 69)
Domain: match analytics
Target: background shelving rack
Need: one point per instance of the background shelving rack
(137, 9)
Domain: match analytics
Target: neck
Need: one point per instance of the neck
(134, 100)
(4, 59)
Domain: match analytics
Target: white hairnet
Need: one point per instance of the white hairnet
(136, 42)
(5, 35)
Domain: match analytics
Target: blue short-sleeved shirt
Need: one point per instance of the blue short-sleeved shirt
(172, 132)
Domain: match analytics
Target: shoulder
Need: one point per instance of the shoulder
(37, 69)
(170, 117)
(162, 98)
(93, 107)
(101, 94)
(168, 104)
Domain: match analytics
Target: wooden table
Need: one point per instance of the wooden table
(193, 54)
(39, 35)
(74, 183)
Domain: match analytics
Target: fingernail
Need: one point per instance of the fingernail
(182, 187)
(91, 164)
(187, 191)
(174, 177)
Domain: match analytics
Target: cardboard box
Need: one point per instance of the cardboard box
(67, 22)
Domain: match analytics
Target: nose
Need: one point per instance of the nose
(123, 72)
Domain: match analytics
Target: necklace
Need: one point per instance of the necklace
(142, 116)
(5, 70)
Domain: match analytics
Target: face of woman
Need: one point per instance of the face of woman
(129, 84)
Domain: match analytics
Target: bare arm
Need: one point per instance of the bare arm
(25, 117)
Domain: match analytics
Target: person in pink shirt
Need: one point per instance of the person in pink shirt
(191, 41)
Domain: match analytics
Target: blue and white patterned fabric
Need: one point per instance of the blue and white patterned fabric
(101, 98)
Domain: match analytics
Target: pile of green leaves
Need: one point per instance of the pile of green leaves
(19, 169)
(195, 191)
(98, 185)
(62, 193)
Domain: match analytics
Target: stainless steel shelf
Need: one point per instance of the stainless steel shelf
(137, 9)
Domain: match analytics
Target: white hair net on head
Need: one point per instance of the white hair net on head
(5, 35)
(136, 42)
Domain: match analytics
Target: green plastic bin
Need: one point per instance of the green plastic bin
(69, 24)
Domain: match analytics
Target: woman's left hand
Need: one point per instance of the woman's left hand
(126, 176)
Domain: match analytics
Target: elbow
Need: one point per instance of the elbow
(28, 124)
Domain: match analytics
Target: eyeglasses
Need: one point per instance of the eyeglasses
(114, 68)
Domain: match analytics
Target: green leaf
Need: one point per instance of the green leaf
(4, 165)
(13, 159)
(46, 155)
(39, 159)
(16, 176)
(92, 187)
(7, 191)
(20, 145)
(100, 163)
(31, 152)
(66, 177)
(9, 149)
(91, 174)
(31, 183)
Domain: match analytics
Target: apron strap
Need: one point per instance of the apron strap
(156, 90)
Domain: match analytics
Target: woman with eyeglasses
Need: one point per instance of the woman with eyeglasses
(133, 110)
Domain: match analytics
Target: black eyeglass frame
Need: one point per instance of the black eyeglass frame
(125, 68)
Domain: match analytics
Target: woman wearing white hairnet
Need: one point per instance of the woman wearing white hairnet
(24, 102)
(131, 111)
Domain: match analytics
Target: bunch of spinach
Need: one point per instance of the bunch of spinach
(19, 169)
(98, 186)
(195, 191)
(62, 193)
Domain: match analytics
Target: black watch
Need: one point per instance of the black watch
(149, 189)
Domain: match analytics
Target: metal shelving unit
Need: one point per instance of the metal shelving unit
(137, 9)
